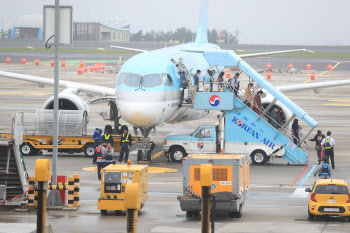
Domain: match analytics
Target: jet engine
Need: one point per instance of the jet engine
(69, 100)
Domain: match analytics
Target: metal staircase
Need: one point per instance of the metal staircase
(13, 174)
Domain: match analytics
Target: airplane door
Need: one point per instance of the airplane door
(204, 141)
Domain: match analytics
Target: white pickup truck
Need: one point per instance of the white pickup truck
(207, 139)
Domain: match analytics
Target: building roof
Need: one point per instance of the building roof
(112, 24)
(30, 21)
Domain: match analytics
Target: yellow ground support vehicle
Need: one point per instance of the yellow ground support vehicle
(114, 179)
(329, 197)
(230, 183)
(33, 144)
(37, 133)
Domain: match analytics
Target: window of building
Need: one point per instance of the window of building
(114, 36)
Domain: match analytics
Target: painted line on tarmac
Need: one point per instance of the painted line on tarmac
(300, 174)
(307, 176)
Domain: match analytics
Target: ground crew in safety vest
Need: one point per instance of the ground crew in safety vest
(328, 145)
(125, 146)
(107, 138)
(109, 154)
(100, 158)
(323, 170)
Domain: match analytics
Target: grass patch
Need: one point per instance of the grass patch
(95, 51)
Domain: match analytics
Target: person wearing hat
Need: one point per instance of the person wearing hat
(100, 158)
(323, 170)
(125, 145)
(318, 139)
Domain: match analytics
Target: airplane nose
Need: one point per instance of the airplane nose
(142, 108)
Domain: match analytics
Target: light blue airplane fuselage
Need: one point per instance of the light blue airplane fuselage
(150, 106)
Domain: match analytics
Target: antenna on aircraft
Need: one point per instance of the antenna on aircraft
(202, 30)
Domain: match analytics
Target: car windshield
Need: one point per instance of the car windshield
(151, 80)
(331, 189)
(121, 79)
(133, 80)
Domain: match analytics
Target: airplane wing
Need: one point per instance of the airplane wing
(270, 53)
(313, 86)
(81, 87)
(129, 49)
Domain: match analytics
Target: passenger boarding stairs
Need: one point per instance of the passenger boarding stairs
(13, 174)
(244, 127)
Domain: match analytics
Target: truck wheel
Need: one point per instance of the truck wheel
(89, 150)
(177, 154)
(259, 157)
(149, 155)
(196, 214)
(27, 149)
(189, 214)
(139, 155)
(239, 213)
(103, 212)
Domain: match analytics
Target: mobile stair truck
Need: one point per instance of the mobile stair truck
(240, 129)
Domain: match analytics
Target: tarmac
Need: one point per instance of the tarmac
(276, 201)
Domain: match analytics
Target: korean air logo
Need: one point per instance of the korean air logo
(239, 123)
(200, 145)
(214, 100)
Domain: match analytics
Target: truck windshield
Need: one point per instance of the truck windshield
(331, 189)
(194, 132)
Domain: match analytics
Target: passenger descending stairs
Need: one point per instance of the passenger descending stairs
(263, 132)
(13, 176)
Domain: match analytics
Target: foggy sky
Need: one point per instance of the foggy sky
(297, 22)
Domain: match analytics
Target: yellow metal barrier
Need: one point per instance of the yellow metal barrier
(31, 193)
(42, 176)
(132, 205)
(76, 190)
(206, 177)
(70, 192)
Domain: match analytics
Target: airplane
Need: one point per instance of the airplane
(148, 92)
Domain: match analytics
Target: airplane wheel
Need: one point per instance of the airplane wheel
(259, 157)
(139, 155)
(149, 155)
(177, 154)
(89, 150)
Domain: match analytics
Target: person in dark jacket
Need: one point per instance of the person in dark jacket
(318, 139)
(109, 154)
(107, 138)
(295, 132)
(196, 77)
(125, 145)
(97, 137)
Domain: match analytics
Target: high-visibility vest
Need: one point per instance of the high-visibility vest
(327, 143)
(325, 170)
(98, 152)
(106, 138)
(126, 139)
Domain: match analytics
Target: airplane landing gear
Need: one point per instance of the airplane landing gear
(147, 146)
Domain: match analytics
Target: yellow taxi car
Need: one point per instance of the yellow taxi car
(329, 197)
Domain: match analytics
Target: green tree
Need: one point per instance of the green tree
(137, 36)
(212, 36)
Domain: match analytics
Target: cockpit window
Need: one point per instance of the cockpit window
(167, 80)
(121, 78)
(151, 80)
(133, 80)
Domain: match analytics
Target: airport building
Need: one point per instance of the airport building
(101, 31)
(28, 27)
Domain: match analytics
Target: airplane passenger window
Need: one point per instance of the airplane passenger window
(133, 80)
(167, 80)
(121, 78)
(151, 80)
